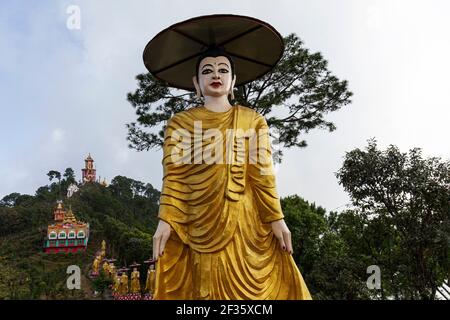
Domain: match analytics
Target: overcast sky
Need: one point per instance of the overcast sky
(63, 91)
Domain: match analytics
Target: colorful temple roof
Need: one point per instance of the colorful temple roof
(66, 234)
(69, 217)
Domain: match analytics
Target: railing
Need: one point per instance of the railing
(65, 243)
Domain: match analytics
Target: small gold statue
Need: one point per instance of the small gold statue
(116, 285)
(123, 286)
(135, 284)
(151, 276)
(103, 251)
(106, 268)
(95, 265)
(112, 270)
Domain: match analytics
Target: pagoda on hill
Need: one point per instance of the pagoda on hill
(59, 212)
(88, 173)
(67, 234)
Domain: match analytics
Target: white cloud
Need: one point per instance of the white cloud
(58, 135)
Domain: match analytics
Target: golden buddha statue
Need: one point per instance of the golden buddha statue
(135, 284)
(103, 251)
(106, 268)
(150, 282)
(116, 283)
(112, 270)
(221, 233)
(96, 265)
(123, 285)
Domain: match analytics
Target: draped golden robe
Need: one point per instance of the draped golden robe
(221, 244)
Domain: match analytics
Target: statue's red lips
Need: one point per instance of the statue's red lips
(216, 84)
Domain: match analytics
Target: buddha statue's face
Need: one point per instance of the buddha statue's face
(214, 76)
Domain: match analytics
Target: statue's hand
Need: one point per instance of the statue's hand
(160, 238)
(282, 233)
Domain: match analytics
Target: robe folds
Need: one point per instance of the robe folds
(221, 244)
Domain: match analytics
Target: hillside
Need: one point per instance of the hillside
(124, 214)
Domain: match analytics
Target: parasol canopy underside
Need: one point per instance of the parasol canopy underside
(254, 45)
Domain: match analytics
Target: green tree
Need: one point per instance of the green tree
(11, 221)
(53, 174)
(69, 176)
(151, 193)
(328, 249)
(405, 199)
(43, 193)
(9, 200)
(122, 187)
(300, 86)
(101, 283)
(306, 223)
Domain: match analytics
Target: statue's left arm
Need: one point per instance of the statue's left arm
(262, 179)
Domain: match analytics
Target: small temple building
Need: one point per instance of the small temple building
(66, 234)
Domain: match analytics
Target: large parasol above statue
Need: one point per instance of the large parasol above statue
(254, 45)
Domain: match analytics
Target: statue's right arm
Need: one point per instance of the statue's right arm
(162, 232)
(160, 238)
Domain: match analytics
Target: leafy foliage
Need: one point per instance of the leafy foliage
(299, 88)
(403, 201)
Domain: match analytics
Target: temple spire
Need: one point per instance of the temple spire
(70, 217)
(89, 173)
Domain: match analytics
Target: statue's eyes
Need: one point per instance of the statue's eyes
(221, 70)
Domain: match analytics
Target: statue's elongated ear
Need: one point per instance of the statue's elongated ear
(198, 93)
(232, 88)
